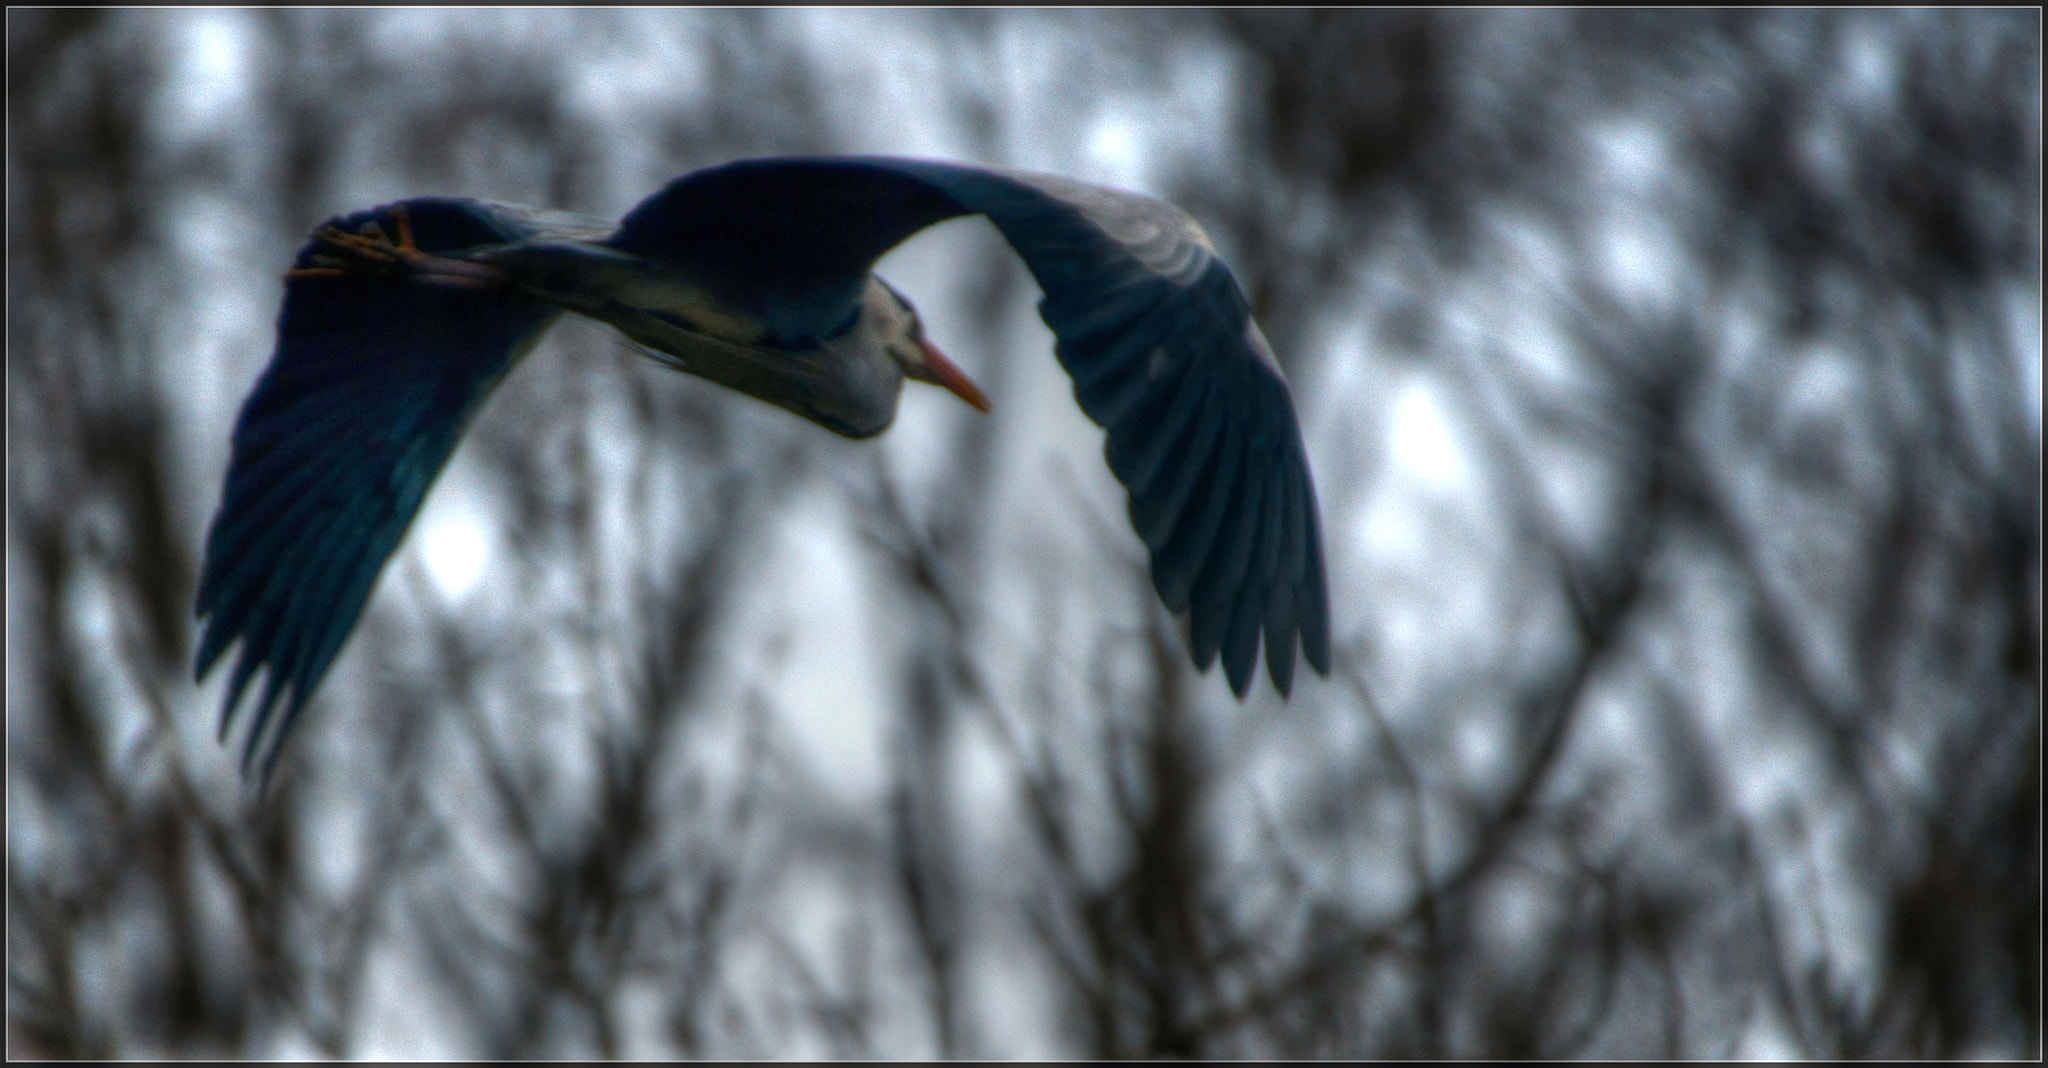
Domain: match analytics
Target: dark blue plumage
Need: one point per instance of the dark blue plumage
(398, 322)
(373, 380)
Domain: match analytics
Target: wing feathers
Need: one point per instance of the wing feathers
(1176, 566)
(1137, 459)
(1150, 325)
(372, 382)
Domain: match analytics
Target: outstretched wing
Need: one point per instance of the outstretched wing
(1151, 326)
(373, 380)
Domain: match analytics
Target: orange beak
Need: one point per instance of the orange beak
(940, 371)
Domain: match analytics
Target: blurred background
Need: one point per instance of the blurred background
(1672, 385)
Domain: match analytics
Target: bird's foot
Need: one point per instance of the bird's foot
(371, 251)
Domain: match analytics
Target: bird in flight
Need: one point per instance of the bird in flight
(398, 322)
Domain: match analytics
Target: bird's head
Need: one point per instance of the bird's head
(888, 318)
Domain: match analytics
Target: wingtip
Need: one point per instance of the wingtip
(1280, 667)
(1241, 668)
(1314, 612)
(1319, 659)
(1240, 681)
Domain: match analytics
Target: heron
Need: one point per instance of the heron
(757, 275)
